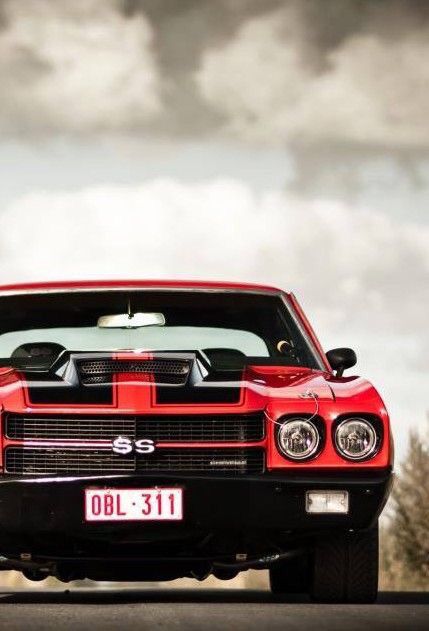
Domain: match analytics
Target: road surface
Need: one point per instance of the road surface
(190, 610)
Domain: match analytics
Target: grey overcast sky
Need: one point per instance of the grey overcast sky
(279, 141)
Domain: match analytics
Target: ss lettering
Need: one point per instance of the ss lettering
(124, 445)
(144, 446)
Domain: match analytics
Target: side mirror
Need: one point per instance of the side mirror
(340, 359)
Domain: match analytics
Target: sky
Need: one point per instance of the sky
(282, 142)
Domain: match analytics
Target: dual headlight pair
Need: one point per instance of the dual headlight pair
(354, 438)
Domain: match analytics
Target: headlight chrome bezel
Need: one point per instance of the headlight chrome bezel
(375, 428)
(314, 424)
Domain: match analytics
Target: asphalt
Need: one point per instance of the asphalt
(221, 609)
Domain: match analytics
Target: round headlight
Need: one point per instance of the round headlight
(356, 439)
(298, 438)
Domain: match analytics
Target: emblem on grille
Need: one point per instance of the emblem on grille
(123, 445)
(228, 463)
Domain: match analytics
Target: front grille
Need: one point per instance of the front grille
(177, 428)
(46, 461)
(40, 427)
(236, 461)
(54, 461)
(209, 428)
(169, 371)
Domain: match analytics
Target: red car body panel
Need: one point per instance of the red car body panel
(278, 390)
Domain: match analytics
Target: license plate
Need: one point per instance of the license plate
(154, 504)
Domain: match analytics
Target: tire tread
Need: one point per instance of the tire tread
(346, 568)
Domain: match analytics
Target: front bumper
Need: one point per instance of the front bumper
(47, 513)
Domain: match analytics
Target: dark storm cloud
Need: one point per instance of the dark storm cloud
(343, 71)
(293, 70)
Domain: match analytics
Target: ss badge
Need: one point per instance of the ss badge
(124, 445)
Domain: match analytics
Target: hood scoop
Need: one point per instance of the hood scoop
(159, 368)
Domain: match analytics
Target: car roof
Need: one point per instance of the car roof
(76, 285)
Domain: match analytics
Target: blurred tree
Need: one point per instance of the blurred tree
(410, 522)
(405, 541)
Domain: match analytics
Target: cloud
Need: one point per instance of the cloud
(273, 83)
(336, 71)
(76, 66)
(356, 264)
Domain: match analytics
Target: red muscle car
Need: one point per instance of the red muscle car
(152, 430)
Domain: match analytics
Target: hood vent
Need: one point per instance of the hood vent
(168, 371)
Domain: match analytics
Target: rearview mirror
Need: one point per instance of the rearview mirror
(340, 359)
(130, 320)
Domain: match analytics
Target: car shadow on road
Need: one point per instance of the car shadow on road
(124, 596)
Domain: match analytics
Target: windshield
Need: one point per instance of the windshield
(253, 327)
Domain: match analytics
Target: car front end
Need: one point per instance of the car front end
(151, 431)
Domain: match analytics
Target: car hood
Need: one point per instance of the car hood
(162, 382)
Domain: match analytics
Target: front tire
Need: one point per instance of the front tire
(346, 568)
(290, 576)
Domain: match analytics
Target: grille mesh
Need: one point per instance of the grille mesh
(210, 428)
(178, 428)
(174, 371)
(37, 427)
(53, 461)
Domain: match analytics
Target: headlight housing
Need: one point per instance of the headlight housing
(356, 439)
(298, 439)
